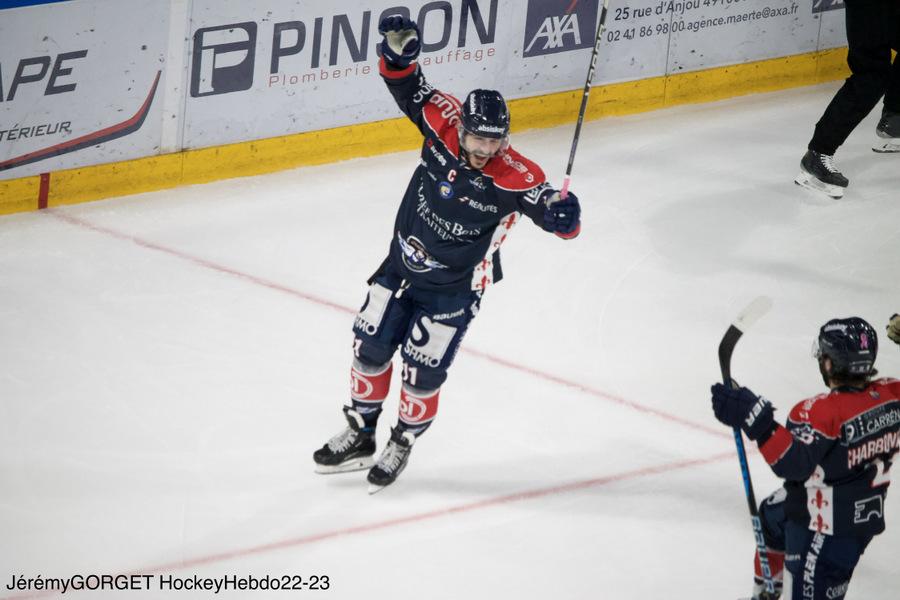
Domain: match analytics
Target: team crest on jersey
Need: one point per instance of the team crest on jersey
(445, 189)
(416, 257)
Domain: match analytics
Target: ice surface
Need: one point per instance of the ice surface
(169, 361)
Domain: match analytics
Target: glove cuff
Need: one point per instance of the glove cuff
(571, 235)
(391, 71)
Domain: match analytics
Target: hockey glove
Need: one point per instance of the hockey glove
(563, 217)
(893, 328)
(739, 407)
(400, 46)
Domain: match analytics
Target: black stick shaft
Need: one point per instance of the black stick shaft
(584, 97)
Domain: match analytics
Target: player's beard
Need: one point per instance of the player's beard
(478, 162)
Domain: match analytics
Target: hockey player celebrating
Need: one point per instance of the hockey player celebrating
(469, 189)
(835, 455)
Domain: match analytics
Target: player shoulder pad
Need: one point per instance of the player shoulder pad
(441, 114)
(513, 172)
(887, 388)
(820, 413)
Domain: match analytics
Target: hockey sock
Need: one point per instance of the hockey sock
(418, 408)
(369, 386)
(776, 568)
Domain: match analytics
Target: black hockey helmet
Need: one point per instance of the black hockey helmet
(851, 344)
(484, 113)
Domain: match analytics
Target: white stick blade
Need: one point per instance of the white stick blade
(752, 313)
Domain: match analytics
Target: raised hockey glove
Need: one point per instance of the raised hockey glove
(400, 46)
(739, 407)
(893, 328)
(563, 217)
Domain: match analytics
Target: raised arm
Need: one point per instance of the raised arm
(399, 50)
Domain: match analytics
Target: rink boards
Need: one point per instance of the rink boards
(109, 99)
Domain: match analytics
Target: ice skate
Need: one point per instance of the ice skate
(888, 130)
(392, 461)
(760, 593)
(818, 173)
(350, 450)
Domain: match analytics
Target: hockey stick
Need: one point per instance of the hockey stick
(584, 99)
(745, 319)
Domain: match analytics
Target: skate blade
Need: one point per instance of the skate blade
(348, 466)
(809, 182)
(374, 489)
(888, 147)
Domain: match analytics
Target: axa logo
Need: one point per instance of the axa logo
(559, 26)
(824, 5)
(223, 59)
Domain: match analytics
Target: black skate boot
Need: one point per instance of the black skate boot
(350, 450)
(392, 460)
(817, 172)
(888, 130)
(760, 593)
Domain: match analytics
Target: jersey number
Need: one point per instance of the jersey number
(882, 473)
(410, 374)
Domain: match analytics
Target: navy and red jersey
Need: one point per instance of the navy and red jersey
(453, 218)
(836, 454)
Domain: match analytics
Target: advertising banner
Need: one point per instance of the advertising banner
(91, 81)
(314, 65)
(80, 83)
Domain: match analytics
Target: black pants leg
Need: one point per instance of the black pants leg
(871, 27)
(892, 96)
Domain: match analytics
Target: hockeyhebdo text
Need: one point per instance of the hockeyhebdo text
(454, 32)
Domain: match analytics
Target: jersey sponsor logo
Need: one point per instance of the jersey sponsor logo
(519, 167)
(867, 508)
(429, 143)
(415, 255)
(360, 387)
(417, 409)
(478, 183)
(448, 107)
(837, 591)
(809, 570)
(444, 228)
(491, 208)
(559, 26)
(533, 195)
(804, 433)
(445, 190)
(428, 342)
(870, 423)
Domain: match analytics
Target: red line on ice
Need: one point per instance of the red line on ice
(313, 538)
(716, 431)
